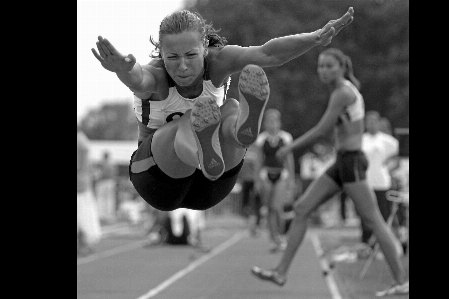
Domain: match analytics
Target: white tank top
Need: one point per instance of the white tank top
(356, 110)
(154, 114)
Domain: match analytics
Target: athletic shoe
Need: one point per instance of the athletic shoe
(254, 92)
(205, 122)
(269, 275)
(397, 289)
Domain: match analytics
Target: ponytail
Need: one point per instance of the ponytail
(349, 73)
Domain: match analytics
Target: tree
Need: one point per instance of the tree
(112, 121)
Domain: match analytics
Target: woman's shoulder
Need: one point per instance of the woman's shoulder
(344, 93)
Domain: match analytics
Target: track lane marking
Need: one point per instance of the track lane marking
(220, 248)
(328, 276)
(110, 252)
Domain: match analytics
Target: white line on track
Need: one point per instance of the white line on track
(110, 252)
(223, 246)
(328, 277)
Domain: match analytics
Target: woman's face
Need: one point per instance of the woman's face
(183, 56)
(329, 68)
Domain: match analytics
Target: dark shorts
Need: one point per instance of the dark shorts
(349, 167)
(274, 175)
(166, 193)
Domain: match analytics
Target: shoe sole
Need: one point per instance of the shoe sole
(254, 92)
(205, 122)
(257, 272)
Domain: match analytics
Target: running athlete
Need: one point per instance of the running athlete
(345, 114)
(276, 177)
(192, 142)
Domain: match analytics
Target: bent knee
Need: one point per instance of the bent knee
(229, 106)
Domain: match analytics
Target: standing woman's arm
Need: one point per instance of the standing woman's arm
(339, 99)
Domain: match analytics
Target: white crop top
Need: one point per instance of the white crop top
(356, 110)
(154, 114)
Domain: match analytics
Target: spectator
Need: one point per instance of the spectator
(381, 150)
(276, 178)
(88, 228)
(106, 186)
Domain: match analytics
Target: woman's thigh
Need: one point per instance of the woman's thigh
(364, 200)
(319, 191)
(163, 149)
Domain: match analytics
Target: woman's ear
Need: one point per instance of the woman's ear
(206, 50)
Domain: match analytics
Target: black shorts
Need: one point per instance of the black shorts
(274, 175)
(349, 167)
(165, 193)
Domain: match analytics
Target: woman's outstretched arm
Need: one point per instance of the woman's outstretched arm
(126, 68)
(280, 50)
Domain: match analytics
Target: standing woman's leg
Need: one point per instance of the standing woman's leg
(266, 198)
(367, 208)
(280, 198)
(320, 190)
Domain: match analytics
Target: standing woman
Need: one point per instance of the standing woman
(276, 177)
(192, 142)
(345, 115)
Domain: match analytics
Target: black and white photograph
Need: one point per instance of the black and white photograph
(231, 149)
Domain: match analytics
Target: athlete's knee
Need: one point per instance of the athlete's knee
(301, 210)
(229, 106)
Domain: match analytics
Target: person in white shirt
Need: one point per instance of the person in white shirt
(88, 228)
(380, 149)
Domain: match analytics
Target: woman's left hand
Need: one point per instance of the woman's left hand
(333, 27)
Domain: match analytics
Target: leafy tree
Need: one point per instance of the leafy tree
(112, 121)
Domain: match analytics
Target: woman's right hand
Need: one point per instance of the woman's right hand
(111, 59)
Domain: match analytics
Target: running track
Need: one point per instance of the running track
(122, 269)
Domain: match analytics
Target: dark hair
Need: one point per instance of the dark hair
(185, 20)
(346, 62)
